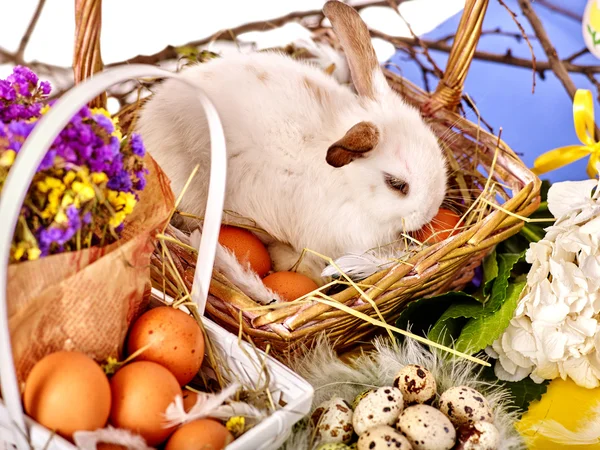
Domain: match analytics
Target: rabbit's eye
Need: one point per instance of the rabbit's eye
(397, 184)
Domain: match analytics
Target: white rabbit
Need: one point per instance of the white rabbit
(311, 162)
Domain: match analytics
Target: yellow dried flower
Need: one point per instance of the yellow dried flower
(236, 425)
(7, 158)
(99, 177)
(33, 253)
(84, 190)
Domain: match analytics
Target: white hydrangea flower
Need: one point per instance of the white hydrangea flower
(555, 331)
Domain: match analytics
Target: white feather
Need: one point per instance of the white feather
(242, 276)
(361, 266)
(210, 405)
(379, 368)
(88, 440)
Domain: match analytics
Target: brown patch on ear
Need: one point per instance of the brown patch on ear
(355, 39)
(320, 94)
(359, 140)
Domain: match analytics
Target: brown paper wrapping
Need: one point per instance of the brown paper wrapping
(86, 300)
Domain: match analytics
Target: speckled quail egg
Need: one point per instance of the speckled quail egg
(417, 384)
(380, 407)
(426, 428)
(333, 421)
(382, 437)
(359, 397)
(463, 404)
(477, 436)
(333, 446)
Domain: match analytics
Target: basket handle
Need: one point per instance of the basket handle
(22, 172)
(87, 59)
(449, 90)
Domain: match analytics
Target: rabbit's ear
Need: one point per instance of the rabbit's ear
(356, 41)
(358, 141)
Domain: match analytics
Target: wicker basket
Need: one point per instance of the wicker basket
(438, 268)
(290, 392)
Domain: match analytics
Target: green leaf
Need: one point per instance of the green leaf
(450, 323)
(490, 272)
(523, 392)
(421, 314)
(481, 331)
(505, 266)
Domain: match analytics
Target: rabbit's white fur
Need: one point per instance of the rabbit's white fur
(280, 116)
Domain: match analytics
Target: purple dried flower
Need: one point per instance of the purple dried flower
(137, 145)
(45, 87)
(104, 122)
(20, 128)
(7, 92)
(48, 160)
(87, 218)
(120, 182)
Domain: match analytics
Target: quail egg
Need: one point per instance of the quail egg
(359, 397)
(383, 437)
(426, 428)
(478, 436)
(380, 407)
(333, 421)
(463, 404)
(417, 384)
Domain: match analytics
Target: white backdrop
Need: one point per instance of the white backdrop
(131, 27)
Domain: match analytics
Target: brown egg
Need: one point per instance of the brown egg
(203, 434)
(177, 341)
(290, 285)
(247, 248)
(189, 399)
(141, 393)
(67, 392)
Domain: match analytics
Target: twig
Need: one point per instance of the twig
(595, 82)
(522, 30)
(574, 56)
(25, 38)
(495, 32)
(556, 65)
(170, 51)
(402, 42)
(560, 10)
(436, 70)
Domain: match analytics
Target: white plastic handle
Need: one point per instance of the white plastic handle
(21, 174)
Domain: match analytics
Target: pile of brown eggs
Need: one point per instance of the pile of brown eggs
(67, 391)
(403, 417)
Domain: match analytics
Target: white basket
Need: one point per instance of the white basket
(17, 431)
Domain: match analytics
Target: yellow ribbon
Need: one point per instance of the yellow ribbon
(583, 117)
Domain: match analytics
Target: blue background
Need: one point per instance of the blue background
(532, 123)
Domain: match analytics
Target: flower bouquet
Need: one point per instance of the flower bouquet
(79, 270)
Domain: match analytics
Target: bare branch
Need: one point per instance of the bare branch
(438, 72)
(402, 42)
(560, 10)
(231, 34)
(495, 32)
(25, 39)
(595, 82)
(574, 56)
(522, 30)
(556, 65)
